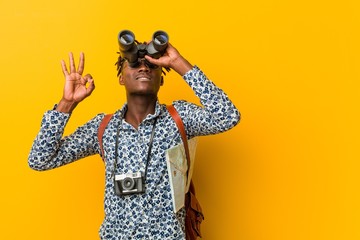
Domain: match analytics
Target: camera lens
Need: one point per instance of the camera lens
(128, 183)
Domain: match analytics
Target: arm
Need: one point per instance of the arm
(49, 150)
(218, 113)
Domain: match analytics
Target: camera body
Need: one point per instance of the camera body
(131, 51)
(129, 183)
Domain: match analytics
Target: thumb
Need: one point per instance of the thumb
(91, 86)
(89, 81)
(153, 60)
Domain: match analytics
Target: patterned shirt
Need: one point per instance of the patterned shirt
(147, 215)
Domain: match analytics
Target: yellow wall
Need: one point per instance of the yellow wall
(290, 170)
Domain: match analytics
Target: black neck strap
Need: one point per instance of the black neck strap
(149, 151)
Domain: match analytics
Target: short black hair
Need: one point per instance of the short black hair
(119, 64)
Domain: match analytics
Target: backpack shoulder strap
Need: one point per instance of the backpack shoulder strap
(101, 130)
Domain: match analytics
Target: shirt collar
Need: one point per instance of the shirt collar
(121, 112)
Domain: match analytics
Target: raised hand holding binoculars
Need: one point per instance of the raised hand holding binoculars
(159, 52)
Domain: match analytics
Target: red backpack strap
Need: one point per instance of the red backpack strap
(101, 131)
(194, 213)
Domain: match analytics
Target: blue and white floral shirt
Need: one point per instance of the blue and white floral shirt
(140, 216)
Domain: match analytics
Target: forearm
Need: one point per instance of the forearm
(218, 113)
(50, 150)
(47, 141)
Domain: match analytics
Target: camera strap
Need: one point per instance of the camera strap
(149, 151)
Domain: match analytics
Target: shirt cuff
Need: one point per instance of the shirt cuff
(54, 117)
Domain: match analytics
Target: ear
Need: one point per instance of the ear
(162, 81)
(121, 80)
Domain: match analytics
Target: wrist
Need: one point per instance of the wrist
(66, 106)
(181, 65)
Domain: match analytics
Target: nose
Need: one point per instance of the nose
(143, 66)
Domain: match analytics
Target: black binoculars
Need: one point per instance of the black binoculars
(131, 50)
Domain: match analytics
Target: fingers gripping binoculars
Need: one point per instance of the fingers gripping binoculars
(131, 50)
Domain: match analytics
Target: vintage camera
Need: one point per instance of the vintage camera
(132, 51)
(129, 183)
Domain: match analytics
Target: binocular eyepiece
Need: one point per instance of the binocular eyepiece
(131, 50)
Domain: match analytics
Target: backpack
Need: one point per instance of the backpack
(194, 214)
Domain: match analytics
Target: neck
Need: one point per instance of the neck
(138, 107)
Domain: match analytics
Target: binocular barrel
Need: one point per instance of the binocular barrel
(160, 40)
(126, 40)
(130, 50)
(127, 46)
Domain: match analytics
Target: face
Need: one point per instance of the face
(141, 79)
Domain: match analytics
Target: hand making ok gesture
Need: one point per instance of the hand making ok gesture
(77, 87)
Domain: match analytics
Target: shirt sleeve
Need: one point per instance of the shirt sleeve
(50, 149)
(217, 113)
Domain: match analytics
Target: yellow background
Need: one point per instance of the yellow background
(290, 170)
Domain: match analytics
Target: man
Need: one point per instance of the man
(141, 132)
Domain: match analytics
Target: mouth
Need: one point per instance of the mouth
(142, 78)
